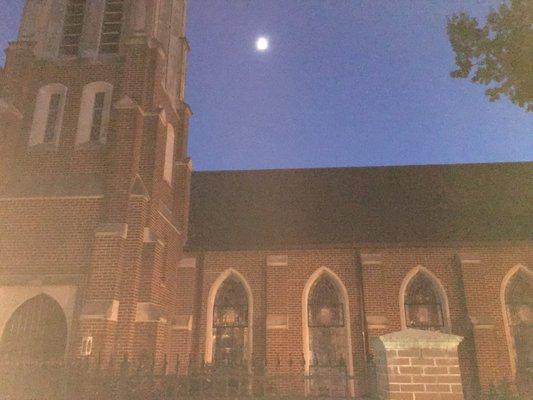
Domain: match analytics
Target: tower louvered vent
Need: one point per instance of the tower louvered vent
(112, 26)
(72, 27)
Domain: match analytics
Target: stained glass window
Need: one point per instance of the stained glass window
(423, 306)
(328, 340)
(519, 300)
(230, 324)
(324, 307)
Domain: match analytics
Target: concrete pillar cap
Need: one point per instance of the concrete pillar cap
(419, 339)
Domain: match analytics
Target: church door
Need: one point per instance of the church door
(37, 331)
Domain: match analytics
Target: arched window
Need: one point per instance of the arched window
(48, 114)
(325, 309)
(328, 340)
(519, 304)
(95, 112)
(37, 331)
(423, 306)
(230, 324)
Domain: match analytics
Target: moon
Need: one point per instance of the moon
(262, 43)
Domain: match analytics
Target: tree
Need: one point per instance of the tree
(499, 54)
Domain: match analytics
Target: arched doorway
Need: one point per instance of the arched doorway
(37, 331)
(231, 324)
(519, 312)
(327, 336)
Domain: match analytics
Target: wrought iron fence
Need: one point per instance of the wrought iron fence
(81, 381)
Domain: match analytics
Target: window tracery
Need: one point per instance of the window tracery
(423, 306)
(324, 307)
(328, 339)
(230, 324)
(519, 303)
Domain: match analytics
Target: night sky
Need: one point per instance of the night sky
(344, 83)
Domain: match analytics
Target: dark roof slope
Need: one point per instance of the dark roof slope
(302, 207)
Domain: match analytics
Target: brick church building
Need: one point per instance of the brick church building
(112, 248)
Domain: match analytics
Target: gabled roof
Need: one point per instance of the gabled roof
(305, 207)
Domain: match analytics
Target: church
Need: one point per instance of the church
(112, 248)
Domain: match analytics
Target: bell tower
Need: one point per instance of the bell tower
(94, 170)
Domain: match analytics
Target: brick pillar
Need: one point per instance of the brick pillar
(130, 276)
(123, 158)
(182, 194)
(10, 125)
(414, 364)
(277, 333)
(488, 337)
(283, 353)
(98, 318)
(185, 317)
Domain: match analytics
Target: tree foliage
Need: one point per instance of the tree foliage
(498, 54)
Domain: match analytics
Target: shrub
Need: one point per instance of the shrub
(502, 391)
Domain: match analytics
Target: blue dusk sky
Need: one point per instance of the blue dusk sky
(344, 83)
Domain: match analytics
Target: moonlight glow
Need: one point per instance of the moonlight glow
(261, 44)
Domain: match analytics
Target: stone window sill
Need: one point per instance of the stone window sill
(93, 145)
(43, 147)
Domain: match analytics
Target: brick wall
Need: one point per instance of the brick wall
(277, 292)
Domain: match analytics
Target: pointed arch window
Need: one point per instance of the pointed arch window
(48, 114)
(98, 114)
(73, 27)
(230, 324)
(37, 331)
(423, 306)
(54, 109)
(329, 349)
(519, 303)
(324, 307)
(95, 113)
